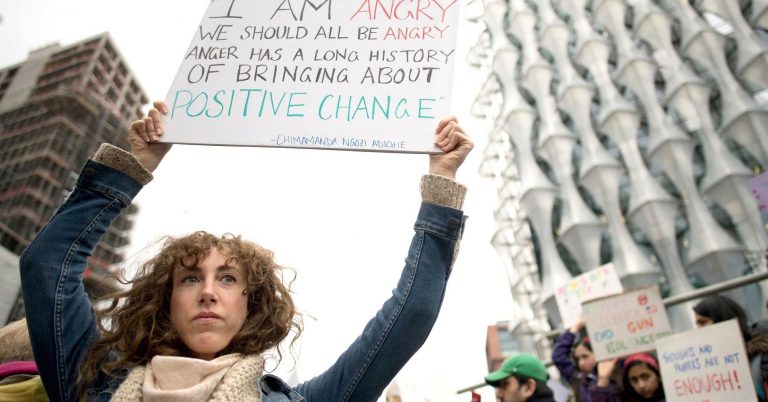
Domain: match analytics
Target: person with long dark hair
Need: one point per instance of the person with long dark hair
(641, 381)
(718, 308)
(572, 355)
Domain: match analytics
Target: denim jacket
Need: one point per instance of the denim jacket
(62, 325)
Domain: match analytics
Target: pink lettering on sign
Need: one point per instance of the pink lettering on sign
(759, 186)
(716, 382)
(418, 32)
(402, 10)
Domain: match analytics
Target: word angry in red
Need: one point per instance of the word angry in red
(414, 10)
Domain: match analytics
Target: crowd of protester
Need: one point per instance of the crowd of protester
(637, 378)
(633, 378)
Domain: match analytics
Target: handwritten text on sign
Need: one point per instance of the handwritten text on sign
(627, 323)
(599, 282)
(358, 74)
(706, 364)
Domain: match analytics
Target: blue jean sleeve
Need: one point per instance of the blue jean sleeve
(60, 318)
(402, 325)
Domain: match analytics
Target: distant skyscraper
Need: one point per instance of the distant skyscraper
(56, 107)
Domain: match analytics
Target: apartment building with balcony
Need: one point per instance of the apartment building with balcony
(56, 108)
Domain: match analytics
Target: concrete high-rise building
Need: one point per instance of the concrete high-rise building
(56, 108)
(624, 132)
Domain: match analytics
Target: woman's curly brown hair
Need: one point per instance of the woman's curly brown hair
(139, 318)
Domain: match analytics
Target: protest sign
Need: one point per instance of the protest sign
(599, 282)
(759, 187)
(706, 364)
(373, 75)
(627, 323)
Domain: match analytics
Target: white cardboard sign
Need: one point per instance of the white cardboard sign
(372, 75)
(628, 323)
(706, 364)
(599, 282)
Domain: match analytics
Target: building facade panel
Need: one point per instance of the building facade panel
(624, 132)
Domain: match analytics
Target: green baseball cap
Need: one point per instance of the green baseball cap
(522, 364)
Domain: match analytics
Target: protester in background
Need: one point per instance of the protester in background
(761, 325)
(574, 359)
(606, 388)
(393, 393)
(714, 309)
(200, 314)
(14, 342)
(757, 351)
(19, 379)
(521, 378)
(717, 308)
(758, 345)
(641, 381)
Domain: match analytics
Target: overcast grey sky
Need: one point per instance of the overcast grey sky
(342, 220)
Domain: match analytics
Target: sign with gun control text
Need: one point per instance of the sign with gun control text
(372, 75)
(627, 323)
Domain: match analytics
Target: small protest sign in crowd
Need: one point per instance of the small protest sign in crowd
(632, 355)
(619, 346)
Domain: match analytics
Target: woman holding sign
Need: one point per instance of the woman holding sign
(201, 313)
(718, 308)
(576, 362)
(640, 382)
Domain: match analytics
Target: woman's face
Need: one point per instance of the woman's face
(208, 307)
(703, 321)
(643, 380)
(585, 359)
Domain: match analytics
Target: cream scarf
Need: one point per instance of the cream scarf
(169, 378)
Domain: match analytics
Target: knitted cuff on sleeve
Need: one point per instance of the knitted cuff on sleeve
(123, 161)
(443, 191)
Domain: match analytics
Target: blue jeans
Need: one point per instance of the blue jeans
(62, 323)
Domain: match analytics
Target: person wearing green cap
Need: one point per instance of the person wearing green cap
(521, 378)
